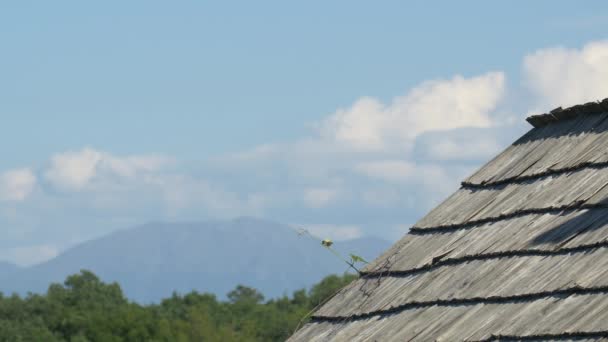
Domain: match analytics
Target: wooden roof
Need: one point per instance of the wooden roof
(520, 251)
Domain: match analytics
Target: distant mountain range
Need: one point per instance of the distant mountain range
(7, 269)
(153, 260)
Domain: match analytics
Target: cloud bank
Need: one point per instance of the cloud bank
(369, 168)
(16, 185)
(564, 76)
(437, 105)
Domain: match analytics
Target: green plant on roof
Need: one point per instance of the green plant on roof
(328, 243)
(355, 258)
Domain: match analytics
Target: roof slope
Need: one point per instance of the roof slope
(520, 251)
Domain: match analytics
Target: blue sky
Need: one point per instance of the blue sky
(349, 117)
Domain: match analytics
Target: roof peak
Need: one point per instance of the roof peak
(560, 114)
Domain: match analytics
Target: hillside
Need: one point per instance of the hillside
(153, 260)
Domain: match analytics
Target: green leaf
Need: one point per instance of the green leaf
(355, 258)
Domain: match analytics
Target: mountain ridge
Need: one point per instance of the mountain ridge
(152, 260)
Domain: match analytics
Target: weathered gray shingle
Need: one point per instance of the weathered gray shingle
(519, 252)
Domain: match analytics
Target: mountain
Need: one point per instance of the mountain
(7, 268)
(153, 260)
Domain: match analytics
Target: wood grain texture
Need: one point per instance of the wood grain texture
(471, 323)
(530, 232)
(503, 277)
(559, 146)
(465, 206)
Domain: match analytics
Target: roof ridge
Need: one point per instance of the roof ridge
(560, 114)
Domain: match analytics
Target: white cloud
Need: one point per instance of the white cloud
(29, 255)
(433, 176)
(183, 193)
(319, 197)
(132, 166)
(563, 77)
(426, 182)
(75, 170)
(472, 147)
(447, 149)
(16, 185)
(369, 125)
(384, 196)
(333, 232)
(388, 170)
(362, 125)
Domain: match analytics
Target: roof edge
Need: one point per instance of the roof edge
(559, 114)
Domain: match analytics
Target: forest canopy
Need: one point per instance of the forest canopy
(84, 308)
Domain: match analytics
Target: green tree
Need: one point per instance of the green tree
(328, 286)
(245, 295)
(84, 308)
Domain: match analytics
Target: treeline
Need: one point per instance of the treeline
(84, 308)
